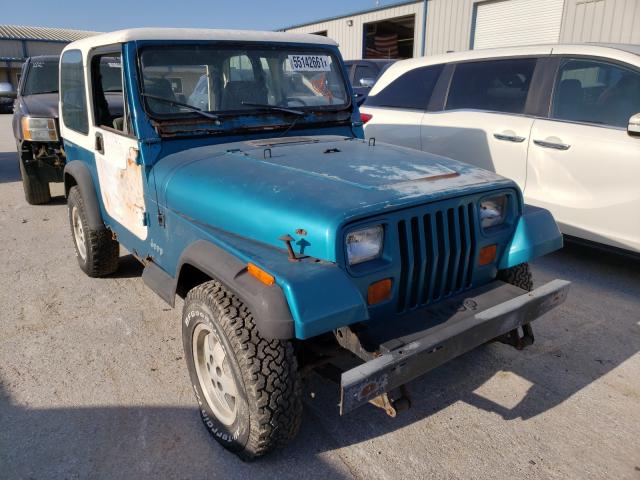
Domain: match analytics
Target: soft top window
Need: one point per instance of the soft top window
(236, 79)
(72, 92)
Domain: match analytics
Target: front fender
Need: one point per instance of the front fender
(309, 298)
(536, 235)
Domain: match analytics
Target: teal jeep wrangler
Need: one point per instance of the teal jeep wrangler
(233, 166)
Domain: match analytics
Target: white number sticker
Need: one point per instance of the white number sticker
(310, 63)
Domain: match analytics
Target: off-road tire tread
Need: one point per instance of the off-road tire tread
(520, 276)
(103, 251)
(36, 192)
(269, 371)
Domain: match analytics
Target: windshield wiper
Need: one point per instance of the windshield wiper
(274, 108)
(204, 113)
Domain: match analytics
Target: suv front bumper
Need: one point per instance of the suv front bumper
(492, 311)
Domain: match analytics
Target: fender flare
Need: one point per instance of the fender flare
(76, 171)
(267, 303)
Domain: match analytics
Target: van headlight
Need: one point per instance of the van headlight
(493, 211)
(39, 129)
(364, 245)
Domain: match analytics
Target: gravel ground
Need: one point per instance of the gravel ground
(93, 383)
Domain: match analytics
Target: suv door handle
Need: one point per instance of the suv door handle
(509, 138)
(554, 145)
(99, 143)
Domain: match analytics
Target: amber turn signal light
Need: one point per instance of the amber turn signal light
(260, 274)
(379, 291)
(487, 254)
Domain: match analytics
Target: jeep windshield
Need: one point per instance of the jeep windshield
(42, 77)
(249, 80)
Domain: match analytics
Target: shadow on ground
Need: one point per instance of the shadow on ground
(9, 169)
(139, 442)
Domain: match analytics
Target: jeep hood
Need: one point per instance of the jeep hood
(262, 189)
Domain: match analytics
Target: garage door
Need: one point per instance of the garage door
(509, 23)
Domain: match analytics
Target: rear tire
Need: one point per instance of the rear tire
(250, 395)
(96, 249)
(36, 192)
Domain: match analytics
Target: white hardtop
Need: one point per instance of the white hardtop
(197, 34)
(622, 52)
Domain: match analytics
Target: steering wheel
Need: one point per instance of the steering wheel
(295, 99)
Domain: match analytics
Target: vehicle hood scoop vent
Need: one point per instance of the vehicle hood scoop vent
(272, 142)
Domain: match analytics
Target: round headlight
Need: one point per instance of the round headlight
(493, 211)
(363, 245)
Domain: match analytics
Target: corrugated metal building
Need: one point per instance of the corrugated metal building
(19, 42)
(396, 31)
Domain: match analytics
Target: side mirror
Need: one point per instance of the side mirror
(367, 82)
(634, 125)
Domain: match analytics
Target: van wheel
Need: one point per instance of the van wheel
(247, 387)
(96, 250)
(520, 276)
(36, 192)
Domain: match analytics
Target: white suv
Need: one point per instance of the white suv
(562, 121)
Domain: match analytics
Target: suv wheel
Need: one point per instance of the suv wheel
(36, 192)
(96, 250)
(247, 387)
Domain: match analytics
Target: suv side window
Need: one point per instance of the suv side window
(596, 92)
(364, 71)
(72, 92)
(493, 85)
(412, 89)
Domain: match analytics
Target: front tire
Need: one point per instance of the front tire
(520, 276)
(96, 249)
(247, 387)
(36, 192)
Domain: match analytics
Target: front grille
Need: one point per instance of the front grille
(437, 252)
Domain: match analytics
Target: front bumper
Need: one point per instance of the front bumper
(495, 310)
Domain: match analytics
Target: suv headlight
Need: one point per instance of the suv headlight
(493, 211)
(365, 244)
(39, 129)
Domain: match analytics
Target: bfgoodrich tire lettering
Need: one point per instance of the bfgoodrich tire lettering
(268, 404)
(96, 249)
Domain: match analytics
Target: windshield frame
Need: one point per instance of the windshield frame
(250, 112)
(24, 82)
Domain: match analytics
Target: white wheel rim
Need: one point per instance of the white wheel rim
(78, 233)
(214, 374)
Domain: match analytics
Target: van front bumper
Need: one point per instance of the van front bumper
(463, 323)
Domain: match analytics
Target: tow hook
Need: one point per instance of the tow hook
(393, 406)
(517, 339)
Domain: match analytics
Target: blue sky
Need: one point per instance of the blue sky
(250, 14)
